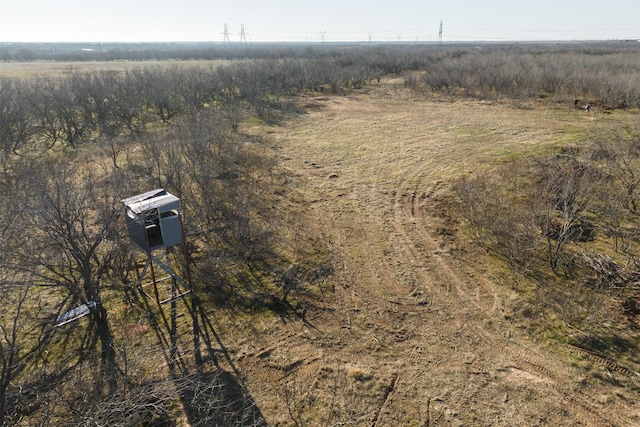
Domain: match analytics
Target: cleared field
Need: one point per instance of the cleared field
(27, 69)
(418, 328)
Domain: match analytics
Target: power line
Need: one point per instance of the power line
(544, 31)
(453, 33)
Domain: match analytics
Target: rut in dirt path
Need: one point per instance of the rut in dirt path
(418, 241)
(520, 360)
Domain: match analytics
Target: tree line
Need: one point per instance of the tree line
(608, 79)
(76, 107)
(79, 106)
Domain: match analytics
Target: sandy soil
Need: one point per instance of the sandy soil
(415, 328)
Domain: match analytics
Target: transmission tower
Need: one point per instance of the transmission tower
(243, 34)
(226, 38)
(440, 34)
(323, 35)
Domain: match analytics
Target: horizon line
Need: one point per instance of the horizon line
(321, 42)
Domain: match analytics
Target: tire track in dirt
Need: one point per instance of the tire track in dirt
(408, 221)
(533, 366)
(430, 271)
(485, 289)
(604, 362)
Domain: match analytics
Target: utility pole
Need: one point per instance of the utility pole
(440, 34)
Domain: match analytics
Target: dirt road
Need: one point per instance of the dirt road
(416, 329)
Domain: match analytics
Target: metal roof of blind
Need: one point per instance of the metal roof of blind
(155, 199)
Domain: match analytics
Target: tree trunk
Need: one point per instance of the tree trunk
(107, 349)
(4, 383)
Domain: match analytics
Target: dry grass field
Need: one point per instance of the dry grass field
(419, 327)
(34, 68)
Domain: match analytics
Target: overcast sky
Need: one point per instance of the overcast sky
(316, 20)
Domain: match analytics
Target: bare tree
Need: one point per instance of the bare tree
(72, 111)
(201, 88)
(165, 96)
(16, 120)
(70, 235)
(622, 156)
(164, 158)
(564, 196)
(232, 104)
(17, 325)
(41, 103)
(127, 99)
(496, 217)
(94, 94)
